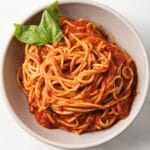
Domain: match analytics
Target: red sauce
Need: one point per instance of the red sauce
(42, 119)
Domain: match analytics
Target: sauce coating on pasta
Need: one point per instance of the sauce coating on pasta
(82, 83)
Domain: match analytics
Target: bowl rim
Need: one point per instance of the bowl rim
(120, 130)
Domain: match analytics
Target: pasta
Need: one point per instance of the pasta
(83, 83)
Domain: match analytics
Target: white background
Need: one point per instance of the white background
(136, 137)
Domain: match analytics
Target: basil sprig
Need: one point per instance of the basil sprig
(48, 31)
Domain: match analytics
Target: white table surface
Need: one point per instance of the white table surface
(136, 137)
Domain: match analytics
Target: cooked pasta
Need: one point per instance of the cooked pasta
(83, 83)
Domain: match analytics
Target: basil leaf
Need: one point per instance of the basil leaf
(48, 31)
(50, 28)
(54, 10)
(29, 34)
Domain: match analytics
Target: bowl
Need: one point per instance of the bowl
(124, 35)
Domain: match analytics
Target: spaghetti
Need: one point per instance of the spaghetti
(82, 83)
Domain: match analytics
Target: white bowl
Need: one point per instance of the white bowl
(125, 36)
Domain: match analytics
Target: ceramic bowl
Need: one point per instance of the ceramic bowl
(124, 35)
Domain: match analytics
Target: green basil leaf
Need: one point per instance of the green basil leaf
(50, 28)
(29, 34)
(48, 31)
(54, 10)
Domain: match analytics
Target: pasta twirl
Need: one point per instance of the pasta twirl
(82, 83)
